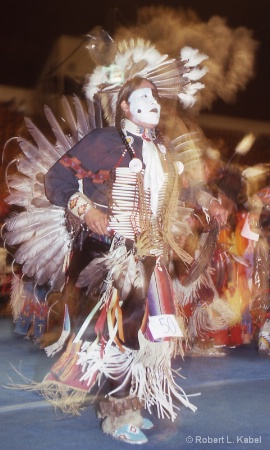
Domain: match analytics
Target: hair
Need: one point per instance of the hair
(124, 94)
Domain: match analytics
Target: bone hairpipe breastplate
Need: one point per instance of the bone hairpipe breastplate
(130, 212)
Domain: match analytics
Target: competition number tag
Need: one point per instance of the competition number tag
(164, 325)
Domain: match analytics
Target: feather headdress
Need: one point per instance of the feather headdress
(173, 78)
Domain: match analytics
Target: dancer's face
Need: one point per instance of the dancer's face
(142, 107)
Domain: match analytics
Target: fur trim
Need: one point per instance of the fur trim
(214, 317)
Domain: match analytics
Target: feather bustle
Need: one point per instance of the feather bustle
(36, 246)
(40, 230)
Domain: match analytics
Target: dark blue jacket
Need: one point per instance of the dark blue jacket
(99, 150)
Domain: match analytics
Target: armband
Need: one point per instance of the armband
(79, 205)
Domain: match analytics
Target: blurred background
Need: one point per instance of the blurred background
(42, 49)
(43, 56)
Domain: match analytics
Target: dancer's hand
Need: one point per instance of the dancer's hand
(97, 221)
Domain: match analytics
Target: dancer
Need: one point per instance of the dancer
(114, 199)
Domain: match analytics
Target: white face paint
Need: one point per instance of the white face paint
(143, 107)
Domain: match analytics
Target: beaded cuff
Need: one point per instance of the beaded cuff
(79, 205)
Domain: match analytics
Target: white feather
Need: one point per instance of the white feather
(129, 273)
(255, 171)
(32, 153)
(35, 196)
(83, 126)
(27, 167)
(41, 202)
(36, 246)
(55, 265)
(91, 115)
(193, 88)
(192, 56)
(35, 217)
(245, 144)
(16, 237)
(195, 74)
(62, 142)
(98, 77)
(20, 183)
(187, 100)
(71, 121)
(47, 149)
(58, 277)
(33, 267)
(17, 199)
